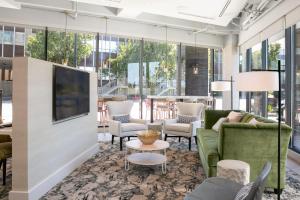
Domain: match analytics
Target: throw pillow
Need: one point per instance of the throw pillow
(121, 118)
(186, 119)
(254, 121)
(247, 117)
(234, 116)
(216, 127)
(244, 191)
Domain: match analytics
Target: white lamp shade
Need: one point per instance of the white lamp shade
(220, 86)
(257, 81)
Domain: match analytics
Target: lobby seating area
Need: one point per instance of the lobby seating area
(149, 100)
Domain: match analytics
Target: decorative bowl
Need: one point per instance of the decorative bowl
(148, 137)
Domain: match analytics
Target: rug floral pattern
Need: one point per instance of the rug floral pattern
(104, 177)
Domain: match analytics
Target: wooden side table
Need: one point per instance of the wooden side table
(234, 170)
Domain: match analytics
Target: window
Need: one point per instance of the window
(8, 41)
(85, 51)
(296, 121)
(61, 47)
(35, 43)
(276, 51)
(257, 98)
(218, 76)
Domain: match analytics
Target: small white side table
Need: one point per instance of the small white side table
(147, 154)
(234, 170)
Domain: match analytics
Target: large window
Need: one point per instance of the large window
(276, 51)
(35, 43)
(296, 121)
(257, 98)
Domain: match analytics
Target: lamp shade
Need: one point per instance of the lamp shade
(257, 81)
(220, 86)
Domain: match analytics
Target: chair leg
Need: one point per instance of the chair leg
(121, 145)
(4, 171)
(179, 138)
(0, 163)
(190, 143)
(166, 137)
(128, 138)
(196, 140)
(112, 139)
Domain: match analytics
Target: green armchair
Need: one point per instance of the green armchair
(254, 144)
(5, 152)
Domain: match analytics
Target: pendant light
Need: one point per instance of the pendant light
(196, 65)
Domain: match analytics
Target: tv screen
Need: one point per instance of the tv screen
(71, 93)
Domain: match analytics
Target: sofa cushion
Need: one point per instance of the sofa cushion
(126, 127)
(208, 139)
(247, 117)
(234, 116)
(179, 127)
(218, 124)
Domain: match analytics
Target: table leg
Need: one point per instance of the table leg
(126, 161)
(164, 165)
(151, 110)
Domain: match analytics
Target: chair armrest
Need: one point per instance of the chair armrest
(138, 121)
(5, 138)
(114, 127)
(194, 126)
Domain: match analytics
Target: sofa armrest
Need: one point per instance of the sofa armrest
(114, 127)
(255, 144)
(138, 121)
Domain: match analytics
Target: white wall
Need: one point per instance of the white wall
(54, 19)
(43, 152)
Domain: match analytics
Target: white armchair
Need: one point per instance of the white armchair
(121, 130)
(173, 128)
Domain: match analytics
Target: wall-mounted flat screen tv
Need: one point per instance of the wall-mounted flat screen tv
(71, 93)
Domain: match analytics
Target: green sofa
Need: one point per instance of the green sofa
(254, 144)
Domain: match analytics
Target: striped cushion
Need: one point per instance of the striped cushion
(186, 119)
(244, 191)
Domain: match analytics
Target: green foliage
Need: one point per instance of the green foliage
(274, 50)
(129, 52)
(60, 47)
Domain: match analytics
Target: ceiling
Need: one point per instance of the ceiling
(211, 16)
(215, 12)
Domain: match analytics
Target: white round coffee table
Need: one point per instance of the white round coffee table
(148, 154)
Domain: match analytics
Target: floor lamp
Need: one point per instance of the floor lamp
(264, 81)
(222, 86)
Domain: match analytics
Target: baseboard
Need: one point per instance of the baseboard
(44, 186)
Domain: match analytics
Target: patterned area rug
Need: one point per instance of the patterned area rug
(103, 177)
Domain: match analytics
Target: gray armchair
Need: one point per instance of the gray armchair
(217, 188)
(175, 128)
(122, 130)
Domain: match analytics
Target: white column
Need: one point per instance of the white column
(230, 68)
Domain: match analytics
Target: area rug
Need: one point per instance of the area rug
(104, 177)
